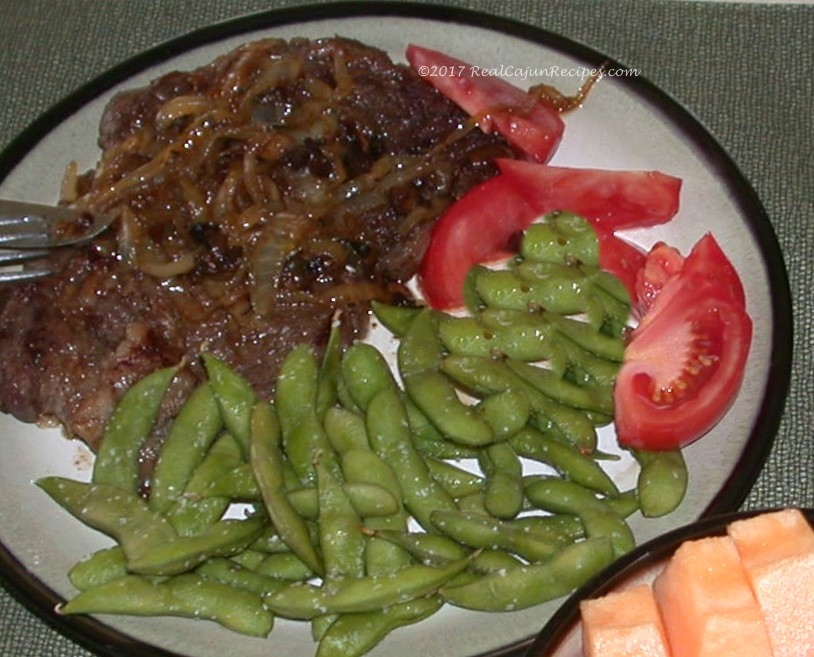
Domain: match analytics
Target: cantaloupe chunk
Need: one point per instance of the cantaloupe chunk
(707, 605)
(624, 623)
(777, 550)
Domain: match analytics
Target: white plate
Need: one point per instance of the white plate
(626, 124)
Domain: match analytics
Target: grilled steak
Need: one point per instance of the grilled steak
(254, 198)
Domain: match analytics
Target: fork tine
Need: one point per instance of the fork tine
(13, 257)
(22, 275)
(9, 257)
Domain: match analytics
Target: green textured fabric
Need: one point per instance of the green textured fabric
(743, 69)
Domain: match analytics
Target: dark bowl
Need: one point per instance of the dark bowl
(561, 635)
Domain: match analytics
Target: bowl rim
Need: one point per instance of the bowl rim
(643, 556)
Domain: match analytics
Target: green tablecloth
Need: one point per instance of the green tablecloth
(743, 69)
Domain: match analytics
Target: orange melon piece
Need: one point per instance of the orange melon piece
(707, 605)
(624, 623)
(777, 550)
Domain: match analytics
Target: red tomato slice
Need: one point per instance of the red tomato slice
(610, 200)
(622, 259)
(683, 371)
(661, 264)
(706, 263)
(477, 228)
(531, 126)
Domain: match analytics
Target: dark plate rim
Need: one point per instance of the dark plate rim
(643, 556)
(103, 640)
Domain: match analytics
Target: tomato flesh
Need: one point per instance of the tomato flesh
(660, 265)
(622, 259)
(477, 228)
(685, 360)
(610, 200)
(531, 126)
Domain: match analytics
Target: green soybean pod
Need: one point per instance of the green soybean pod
(354, 635)
(228, 572)
(129, 427)
(284, 566)
(563, 496)
(561, 237)
(426, 548)
(267, 463)
(662, 481)
(114, 511)
(420, 349)
(196, 509)
(529, 585)
(237, 484)
(565, 458)
(388, 430)
(341, 540)
(563, 391)
(368, 499)
(367, 467)
(523, 335)
(99, 568)
(504, 480)
(183, 553)
(235, 397)
(505, 412)
(296, 389)
(457, 481)
(396, 319)
(366, 372)
(482, 531)
(330, 371)
(190, 436)
(560, 288)
(345, 429)
(438, 399)
(362, 594)
(484, 376)
(598, 343)
(188, 596)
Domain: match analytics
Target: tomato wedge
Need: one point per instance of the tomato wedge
(532, 127)
(477, 228)
(660, 265)
(685, 361)
(622, 259)
(611, 200)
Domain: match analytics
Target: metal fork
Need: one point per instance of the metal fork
(30, 231)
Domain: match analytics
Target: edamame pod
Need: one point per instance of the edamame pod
(396, 319)
(563, 496)
(533, 584)
(266, 460)
(111, 510)
(341, 540)
(362, 594)
(565, 458)
(128, 428)
(99, 568)
(388, 431)
(235, 397)
(662, 481)
(561, 237)
(190, 436)
(189, 596)
(353, 635)
(366, 372)
(183, 553)
(503, 496)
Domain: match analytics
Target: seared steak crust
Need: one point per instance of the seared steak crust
(254, 197)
